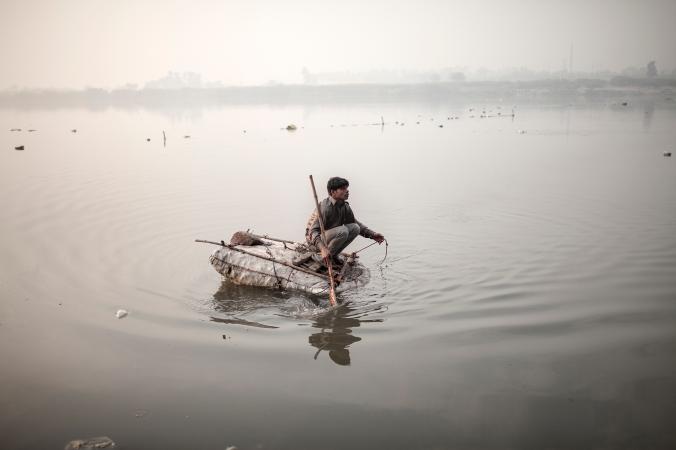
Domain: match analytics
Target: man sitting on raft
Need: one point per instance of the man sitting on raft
(339, 223)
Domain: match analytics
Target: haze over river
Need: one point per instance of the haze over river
(527, 301)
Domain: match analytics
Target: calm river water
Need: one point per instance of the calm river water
(528, 298)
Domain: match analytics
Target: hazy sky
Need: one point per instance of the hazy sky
(78, 43)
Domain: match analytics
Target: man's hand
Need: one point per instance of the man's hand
(325, 251)
(379, 238)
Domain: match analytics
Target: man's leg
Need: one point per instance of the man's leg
(352, 230)
(336, 237)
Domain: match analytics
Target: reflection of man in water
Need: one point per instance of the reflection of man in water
(337, 338)
(336, 342)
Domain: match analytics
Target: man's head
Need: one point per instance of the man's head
(338, 188)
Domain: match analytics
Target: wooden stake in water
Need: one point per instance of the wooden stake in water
(332, 292)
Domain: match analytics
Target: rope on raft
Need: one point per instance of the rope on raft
(274, 269)
(227, 263)
(232, 247)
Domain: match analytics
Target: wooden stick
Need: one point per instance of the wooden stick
(332, 292)
(286, 241)
(232, 247)
(346, 264)
(265, 236)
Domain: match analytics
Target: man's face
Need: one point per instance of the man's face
(341, 193)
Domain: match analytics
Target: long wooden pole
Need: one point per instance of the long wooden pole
(278, 261)
(332, 292)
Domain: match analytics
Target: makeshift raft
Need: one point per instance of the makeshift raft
(282, 264)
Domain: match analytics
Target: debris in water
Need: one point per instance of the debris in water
(121, 313)
(186, 136)
(522, 131)
(291, 127)
(441, 126)
(148, 139)
(625, 103)
(73, 130)
(90, 443)
(31, 130)
(667, 153)
(140, 413)
(20, 147)
(15, 129)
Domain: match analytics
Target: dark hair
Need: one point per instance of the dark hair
(336, 183)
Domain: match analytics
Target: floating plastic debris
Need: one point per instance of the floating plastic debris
(291, 127)
(90, 443)
(666, 153)
(20, 147)
(141, 413)
(121, 313)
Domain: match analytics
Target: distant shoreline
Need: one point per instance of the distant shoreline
(584, 90)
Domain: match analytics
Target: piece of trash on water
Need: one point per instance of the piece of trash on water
(291, 127)
(20, 147)
(522, 131)
(148, 139)
(121, 313)
(90, 443)
(231, 447)
(666, 153)
(140, 413)
(186, 136)
(73, 130)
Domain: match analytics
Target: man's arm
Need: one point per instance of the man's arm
(316, 232)
(369, 233)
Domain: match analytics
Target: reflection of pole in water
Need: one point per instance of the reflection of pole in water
(648, 114)
(567, 123)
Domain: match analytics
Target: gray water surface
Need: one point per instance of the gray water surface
(528, 298)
